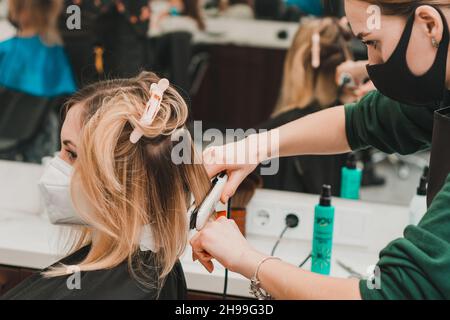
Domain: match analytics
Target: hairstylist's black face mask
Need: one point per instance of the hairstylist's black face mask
(395, 80)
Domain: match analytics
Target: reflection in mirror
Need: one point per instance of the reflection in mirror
(277, 10)
(232, 60)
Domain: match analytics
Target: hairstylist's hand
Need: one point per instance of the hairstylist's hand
(364, 89)
(222, 240)
(237, 159)
(356, 69)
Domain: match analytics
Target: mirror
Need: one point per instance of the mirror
(229, 61)
(275, 10)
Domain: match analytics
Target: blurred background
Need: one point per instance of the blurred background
(234, 61)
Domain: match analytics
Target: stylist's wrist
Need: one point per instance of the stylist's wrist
(248, 263)
(259, 146)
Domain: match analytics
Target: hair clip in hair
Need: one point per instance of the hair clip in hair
(315, 51)
(151, 109)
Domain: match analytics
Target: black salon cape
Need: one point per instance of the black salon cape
(113, 284)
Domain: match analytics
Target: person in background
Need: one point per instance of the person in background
(180, 15)
(306, 89)
(238, 9)
(175, 24)
(124, 32)
(310, 7)
(34, 61)
(128, 199)
(112, 40)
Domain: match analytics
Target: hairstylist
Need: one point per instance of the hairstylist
(408, 63)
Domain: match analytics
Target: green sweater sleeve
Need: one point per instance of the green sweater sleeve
(417, 266)
(387, 125)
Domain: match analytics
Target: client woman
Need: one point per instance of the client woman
(123, 192)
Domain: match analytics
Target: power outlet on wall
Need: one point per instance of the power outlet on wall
(268, 218)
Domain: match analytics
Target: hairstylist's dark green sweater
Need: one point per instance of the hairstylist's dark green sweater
(416, 266)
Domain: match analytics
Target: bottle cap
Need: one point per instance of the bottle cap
(325, 196)
(423, 185)
(351, 161)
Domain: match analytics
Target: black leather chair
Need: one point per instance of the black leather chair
(198, 67)
(269, 9)
(24, 120)
(334, 8)
(173, 56)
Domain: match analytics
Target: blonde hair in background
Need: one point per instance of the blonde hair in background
(118, 187)
(42, 15)
(405, 7)
(304, 84)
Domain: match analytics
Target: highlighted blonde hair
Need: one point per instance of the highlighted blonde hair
(118, 187)
(302, 83)
(41, 15)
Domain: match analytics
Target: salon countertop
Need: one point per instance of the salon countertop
(30, 241)
(247, 33)
(6, 29)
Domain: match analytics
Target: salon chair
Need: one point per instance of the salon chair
(198, 67)
(334, 8)
(107, 45)
(173, 56)
(24, 126)
(269, 9)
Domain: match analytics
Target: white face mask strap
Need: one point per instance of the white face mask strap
(151, 109)
(315, 50)
(147, 239)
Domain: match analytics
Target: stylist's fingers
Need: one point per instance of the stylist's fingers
(203, 255)
(235, 178)
(195, 244)
(213, 161)
(365, 89)
(198, 253)
(205, 260)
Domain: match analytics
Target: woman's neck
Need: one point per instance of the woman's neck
(27, 32)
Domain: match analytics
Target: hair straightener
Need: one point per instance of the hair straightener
(200, 215)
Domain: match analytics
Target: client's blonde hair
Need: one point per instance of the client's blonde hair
(127, 186)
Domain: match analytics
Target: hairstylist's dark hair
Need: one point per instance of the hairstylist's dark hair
(192, 9)
(405, 7)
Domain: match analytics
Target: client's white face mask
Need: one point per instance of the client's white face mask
(54, 186)
(55, 190)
